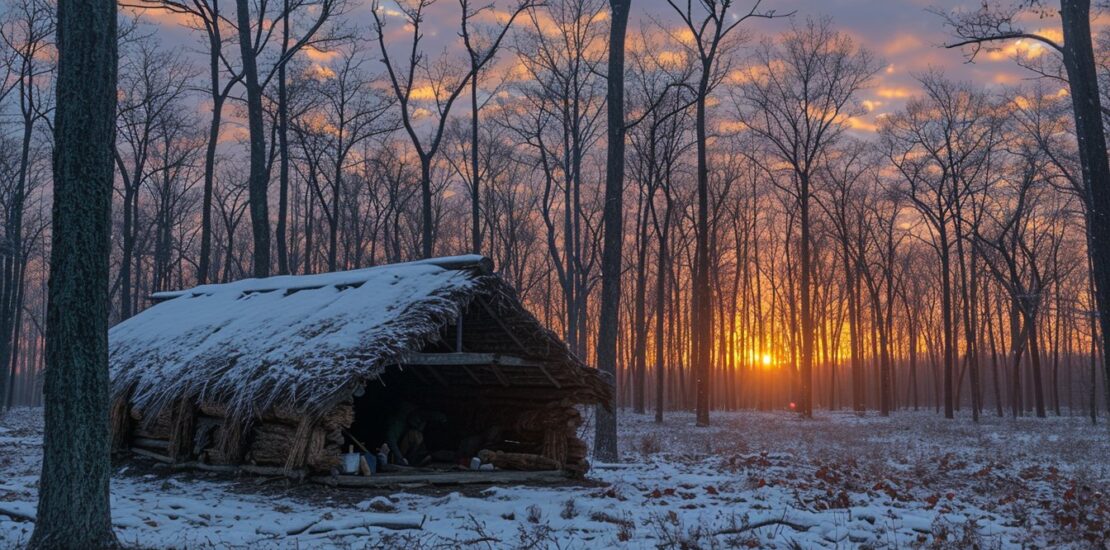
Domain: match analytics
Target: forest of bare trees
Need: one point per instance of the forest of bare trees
(780, 245)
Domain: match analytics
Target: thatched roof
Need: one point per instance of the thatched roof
(308, 342)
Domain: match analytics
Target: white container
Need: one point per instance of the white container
(350, 463)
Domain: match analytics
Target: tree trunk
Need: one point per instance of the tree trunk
(1079, 61)
(258, 184)
(1035, 363)
(475, 177)
(605, 441)
(283, 150)
(427, 240)
(660, 303)
(805, 407)
(204, 265)
(639, 321)
(700, 311)
(73, 508)
(949, 333)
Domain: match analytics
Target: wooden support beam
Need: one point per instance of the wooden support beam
(465, 358)
(435, 374)
(473, 376)
(500, 375)
(500, 323)
(554, 382)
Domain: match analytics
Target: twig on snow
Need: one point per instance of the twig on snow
(765, 523)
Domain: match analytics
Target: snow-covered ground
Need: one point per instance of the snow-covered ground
(752, 480)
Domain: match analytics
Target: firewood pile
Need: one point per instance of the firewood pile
(152, 436)
(552, 432)
(280, 438)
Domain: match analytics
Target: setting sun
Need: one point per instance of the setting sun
(766, 360)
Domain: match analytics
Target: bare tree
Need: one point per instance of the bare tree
(207, 17)
(27, 33)
(351, 111)
(481, 48)
(941, 145)
(253, 36)
(440, 84)
(711, 24)
(798, 99)
(993, 23)
(560, 103)
(848, 171)
(152, 83)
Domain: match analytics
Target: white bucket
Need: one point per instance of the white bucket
(350, 462)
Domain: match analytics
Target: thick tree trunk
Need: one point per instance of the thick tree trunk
(73, 509)
(605, 441)
(1079, 61)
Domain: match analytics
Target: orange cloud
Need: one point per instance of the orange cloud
(904, 43)
(894, 92)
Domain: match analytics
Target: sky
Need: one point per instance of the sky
(910, 41)
(903, 34)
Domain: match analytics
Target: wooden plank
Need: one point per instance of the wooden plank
(444, 478)
(465, 358)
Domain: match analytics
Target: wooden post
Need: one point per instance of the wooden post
(458, 333)
(181, 433)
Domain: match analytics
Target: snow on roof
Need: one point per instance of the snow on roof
(290, 341)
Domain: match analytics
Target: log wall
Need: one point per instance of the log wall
(283, 439)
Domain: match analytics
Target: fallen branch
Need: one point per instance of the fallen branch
(397, 522)
(149, 454)
(16, 514)
(764, 523)
(262, 471)
(442, 478)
